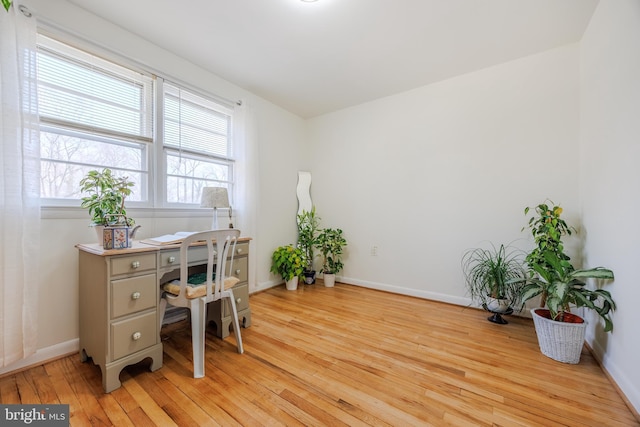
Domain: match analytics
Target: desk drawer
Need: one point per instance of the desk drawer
(129, 336)
(240, 269)
(132, 264)
(171, 258)
(133, 294)
(242, 249)
(241, 297)
(198, 254)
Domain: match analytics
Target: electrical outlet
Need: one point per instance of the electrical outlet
(374, 250)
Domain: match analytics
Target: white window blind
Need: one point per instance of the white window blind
(84, 92)
(198, 150)
(195, 124)
(94, 114)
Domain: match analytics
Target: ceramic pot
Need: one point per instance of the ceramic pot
(292, 284)
(329, 280)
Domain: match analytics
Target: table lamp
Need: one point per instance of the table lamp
(215, 197)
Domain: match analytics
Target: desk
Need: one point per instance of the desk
(119, 296)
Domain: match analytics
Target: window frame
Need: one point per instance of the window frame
(160, 154)
(156, 173)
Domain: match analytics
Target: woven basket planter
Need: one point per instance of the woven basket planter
(561, 341)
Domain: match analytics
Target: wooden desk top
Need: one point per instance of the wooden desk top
(136, 247)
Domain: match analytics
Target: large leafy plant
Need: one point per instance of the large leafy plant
(106, 194)
(564, 286)
(547, 229)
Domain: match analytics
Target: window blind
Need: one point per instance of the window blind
(195, 124)
(80, 91)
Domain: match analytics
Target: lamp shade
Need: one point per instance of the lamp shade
(214, 197)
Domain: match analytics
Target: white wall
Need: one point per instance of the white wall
(422, 175)
(610, 177)
(425, 174)
(281, 155)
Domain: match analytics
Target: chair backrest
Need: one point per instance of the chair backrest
(221, 248)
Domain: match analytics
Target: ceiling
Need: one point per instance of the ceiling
(314, 58)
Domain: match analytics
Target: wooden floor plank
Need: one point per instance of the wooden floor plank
(342, 356)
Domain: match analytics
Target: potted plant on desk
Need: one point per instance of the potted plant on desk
(289, 262)
(105, 196)
(331, 242)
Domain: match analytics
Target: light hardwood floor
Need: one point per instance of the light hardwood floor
(341, 356)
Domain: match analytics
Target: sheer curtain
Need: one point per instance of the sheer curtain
(19, 187)
(246, 197)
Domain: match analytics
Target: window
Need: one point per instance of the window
(197, 145)
(95, 114)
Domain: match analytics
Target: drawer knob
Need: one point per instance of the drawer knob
(239, 250)
(238, 300)
(136, 336)
(135, 295)
(171, 260)
(238, 272)
(135, 264)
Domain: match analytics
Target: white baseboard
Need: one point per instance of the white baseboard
(407, 291)
(43, 355)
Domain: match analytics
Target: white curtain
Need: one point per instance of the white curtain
(19, 187)
(246, 191)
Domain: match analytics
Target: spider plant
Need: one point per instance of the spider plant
(495, 273)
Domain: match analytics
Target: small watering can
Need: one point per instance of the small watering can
(117, 234)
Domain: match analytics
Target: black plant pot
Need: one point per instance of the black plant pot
(309, 277)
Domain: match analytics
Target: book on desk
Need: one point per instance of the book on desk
(168, 239)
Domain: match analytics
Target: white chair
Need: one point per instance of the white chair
(221, 245)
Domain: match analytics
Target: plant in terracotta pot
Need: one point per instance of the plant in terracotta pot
(331, 243)
(494, 279)
(308, 223)
(289, 262)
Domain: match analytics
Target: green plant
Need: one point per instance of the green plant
(563, 286)
(308, 223)
(288, 261)
(497, 273)
(7, 4)
(331, 242)
(106, 195)
(547, 229)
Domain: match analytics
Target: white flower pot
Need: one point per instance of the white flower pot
(329, 280)
(292, 284)
(99, 233)
(561, 341)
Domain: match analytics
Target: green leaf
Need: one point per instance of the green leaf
(7, 4)
(593, 273)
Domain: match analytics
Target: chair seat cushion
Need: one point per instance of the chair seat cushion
(196, 286)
